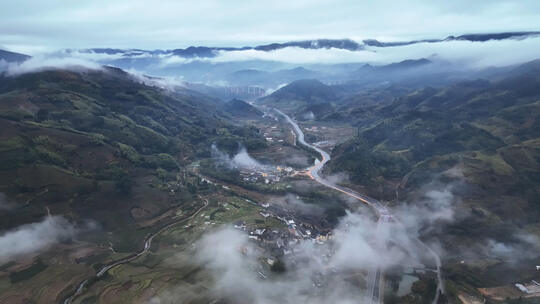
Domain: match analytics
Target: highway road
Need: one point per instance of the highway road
(314, 170)
(375, 277)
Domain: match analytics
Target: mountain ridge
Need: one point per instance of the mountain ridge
(345, 44)
(13, 56)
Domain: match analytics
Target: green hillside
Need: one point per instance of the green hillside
(100, 145)
(488, 129)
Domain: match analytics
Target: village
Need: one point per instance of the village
(275, 243)
(528, 289)
(295, 230)
(266, 174)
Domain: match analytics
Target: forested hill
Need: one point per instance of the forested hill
(490, 130)
(95, 143)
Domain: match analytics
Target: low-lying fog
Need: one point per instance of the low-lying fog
(335, 271)
(274, 68)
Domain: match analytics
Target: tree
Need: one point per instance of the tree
(42, 115)
(278, 266)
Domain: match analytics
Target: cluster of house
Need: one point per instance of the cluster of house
(282, 241)
(313, 129)
(268, 175)
(531, 287)
(270, 138)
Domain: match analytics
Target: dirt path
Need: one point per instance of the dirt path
(146, 248)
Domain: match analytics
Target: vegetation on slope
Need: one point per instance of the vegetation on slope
(98, 144)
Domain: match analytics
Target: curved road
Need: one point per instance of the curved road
(384, 215)
(375, 276)
(147, 245)
(313, 171)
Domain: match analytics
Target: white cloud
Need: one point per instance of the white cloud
(437, 206)
(462, 53)
(317, 273)
(88, 55)
(522, 246)
(35, 237)
(472, 54)
(167, 60)
(40, 63)
(235, 264)
(167, 83)
(240, 160)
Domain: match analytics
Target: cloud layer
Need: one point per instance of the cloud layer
(43, 63)
(35, 237)
(240, 160)
(474, 54)
(332, 272)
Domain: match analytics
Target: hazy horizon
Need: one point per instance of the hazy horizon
(34, 26)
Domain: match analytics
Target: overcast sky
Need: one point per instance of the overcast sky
(34, 25)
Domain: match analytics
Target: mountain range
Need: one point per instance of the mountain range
(8, 56)
(345, 44)
(129, 156)
(479, 138)
(216, 74)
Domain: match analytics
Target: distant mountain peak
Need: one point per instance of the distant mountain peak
(299, 69)
(308, 90)
(12, 56)
(344, 44)
(466, 37)
(494, 36)
(240, 108)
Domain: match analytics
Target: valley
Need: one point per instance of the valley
(234, 153)
(263, 196)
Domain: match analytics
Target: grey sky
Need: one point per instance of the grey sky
(35, 25)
